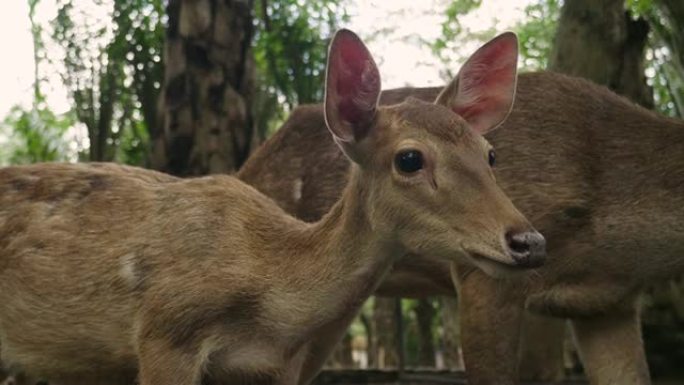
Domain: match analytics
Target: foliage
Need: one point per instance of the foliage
(112, 71)
(451, 27)
(36, 135)
(448, 46)
(537, 32)
(114, 74)
(139, 41)
(665, 53)
(290, 43)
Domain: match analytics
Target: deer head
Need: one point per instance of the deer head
(426, 168)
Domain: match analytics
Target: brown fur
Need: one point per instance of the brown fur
(105, 269)
(602, 178)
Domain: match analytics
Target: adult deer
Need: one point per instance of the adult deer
(602, 178)
(107, 271)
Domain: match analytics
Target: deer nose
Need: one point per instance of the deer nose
(528, 248)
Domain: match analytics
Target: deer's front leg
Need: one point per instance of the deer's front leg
(17, 379)
(491, 312)
(611, 348)
(292, 373)
(161, 363)
(541, 348)
(320, 347)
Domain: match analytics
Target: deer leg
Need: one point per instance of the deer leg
(611, 349)
(319, 349)
(541, 348)
(292, 374)
(11, 379)
(162, 364)
(15, 377)
(491, 311)
(585, 300)
(21, 378)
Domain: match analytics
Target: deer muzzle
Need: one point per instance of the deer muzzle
(528, 248)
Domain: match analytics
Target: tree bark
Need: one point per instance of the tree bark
(342, 357)
(425, 313)
(370, 339)
(206, 123)
(450, 337)
(598, 40)
(384, 333)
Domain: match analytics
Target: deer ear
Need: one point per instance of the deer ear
(352, 88)
(484, 89)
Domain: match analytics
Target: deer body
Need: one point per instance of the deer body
(107, 271)
(602, 178)
(263, 299)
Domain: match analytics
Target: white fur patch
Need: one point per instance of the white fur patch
(297, 189)
(128, 269)
(255, 356)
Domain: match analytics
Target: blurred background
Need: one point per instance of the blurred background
(103, 80)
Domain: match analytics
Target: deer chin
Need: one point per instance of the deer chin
(494, 263)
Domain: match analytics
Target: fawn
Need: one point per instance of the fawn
(108, 271)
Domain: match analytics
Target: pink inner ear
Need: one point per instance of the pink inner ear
(356, 81)
(486, 83)
(468, 112)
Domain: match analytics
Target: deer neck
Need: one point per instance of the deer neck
(349, 243)
(334, 265)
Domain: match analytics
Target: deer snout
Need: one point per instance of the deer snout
(527, 248)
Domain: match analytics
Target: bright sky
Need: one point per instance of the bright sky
(402, 61)
(16, 69)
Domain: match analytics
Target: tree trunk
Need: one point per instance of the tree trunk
(206, 122)
(384, 332)
(370, 340)
(342, 357)
(450, 338)
(598, 40)
(425, 313)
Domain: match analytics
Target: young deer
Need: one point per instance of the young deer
(111, 270)
(602, 178)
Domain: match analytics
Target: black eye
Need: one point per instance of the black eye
(409, 161)
(492, 158)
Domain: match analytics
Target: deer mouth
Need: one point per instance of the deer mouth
(495, 267)
(506, 265)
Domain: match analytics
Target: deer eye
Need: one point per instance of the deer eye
(409, 161)
(492, 158)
